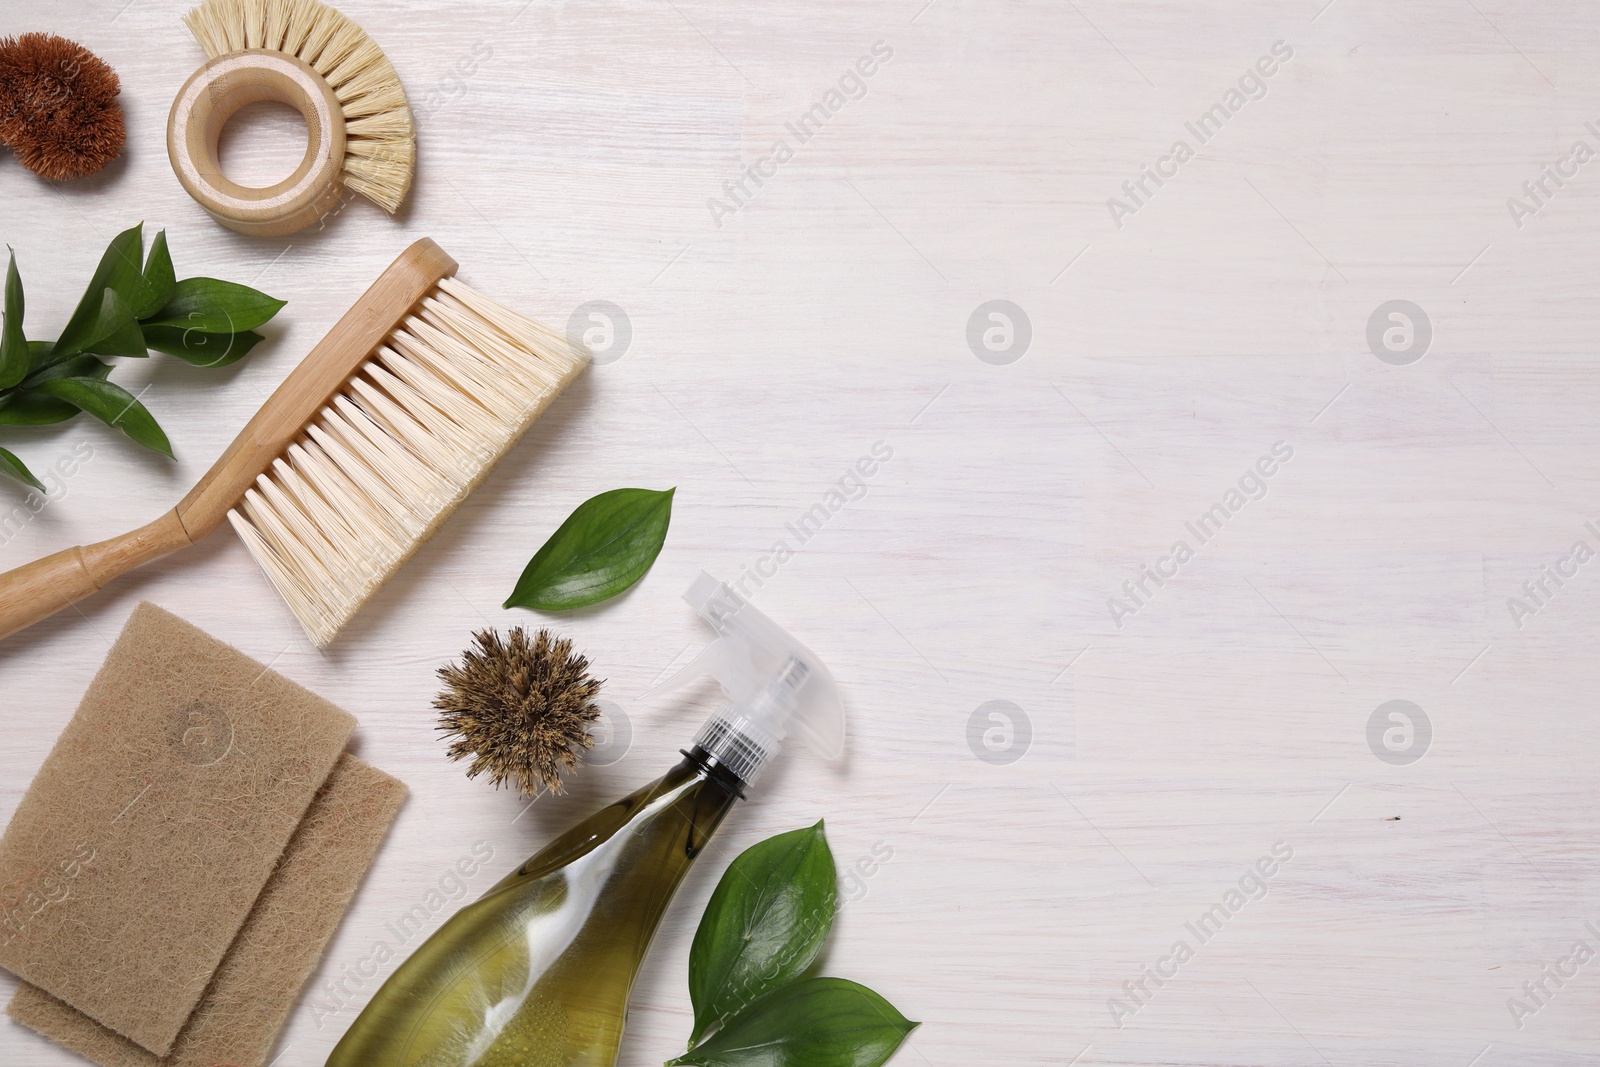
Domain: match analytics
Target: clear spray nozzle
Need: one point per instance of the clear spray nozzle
(776, 687)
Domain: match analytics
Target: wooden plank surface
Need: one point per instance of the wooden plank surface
(572, 152)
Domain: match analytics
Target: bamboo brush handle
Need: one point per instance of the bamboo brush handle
(40, 589)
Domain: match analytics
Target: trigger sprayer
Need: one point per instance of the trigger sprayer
(539, 969)
(774, 685)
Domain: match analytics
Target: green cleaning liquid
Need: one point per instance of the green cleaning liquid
(537, 972)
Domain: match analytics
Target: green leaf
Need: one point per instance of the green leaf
(764, 924)
(27, 407)
(76, 367)
(112, 405)
(14, 358)
(605, 546)
(156, 286)
(216, 307)
(815, 1022)
(39, 353)
(15, 468)
(118, 271)
(115, 331)
(200, 348)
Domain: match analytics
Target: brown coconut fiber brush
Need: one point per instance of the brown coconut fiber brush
(58, 106)
(363, 451)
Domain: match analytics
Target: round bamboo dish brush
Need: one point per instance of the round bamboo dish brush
(359, 130)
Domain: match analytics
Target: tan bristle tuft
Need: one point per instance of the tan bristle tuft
(520, 707)
(422, 421)
(381, 146)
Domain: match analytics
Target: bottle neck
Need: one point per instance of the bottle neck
(739, 743)
(716, 770)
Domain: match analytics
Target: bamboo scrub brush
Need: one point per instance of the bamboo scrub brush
(362, 452)
(359, 130)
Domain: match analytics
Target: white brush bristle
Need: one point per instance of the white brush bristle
(381, 142)
(422, 421)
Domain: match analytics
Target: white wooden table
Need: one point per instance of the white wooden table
(568, 153)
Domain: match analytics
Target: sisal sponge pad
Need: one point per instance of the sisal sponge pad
(279, 946)
(154, 824)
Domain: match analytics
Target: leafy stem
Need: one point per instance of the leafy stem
(134, 303)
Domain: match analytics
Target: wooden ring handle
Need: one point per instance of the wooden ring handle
(212, 95)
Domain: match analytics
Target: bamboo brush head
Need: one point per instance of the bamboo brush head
(380, 144)
(384, 428)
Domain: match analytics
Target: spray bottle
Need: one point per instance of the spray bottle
(537, 971)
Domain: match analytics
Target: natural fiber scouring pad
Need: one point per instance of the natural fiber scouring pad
(244, 1009)
(150, 832)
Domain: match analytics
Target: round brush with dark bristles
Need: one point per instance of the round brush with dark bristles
(520, 707)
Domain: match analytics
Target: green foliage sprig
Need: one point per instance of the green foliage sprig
(762, 929)
(134, 303)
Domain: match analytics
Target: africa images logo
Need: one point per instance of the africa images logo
(851, 85)
(1252, 85)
